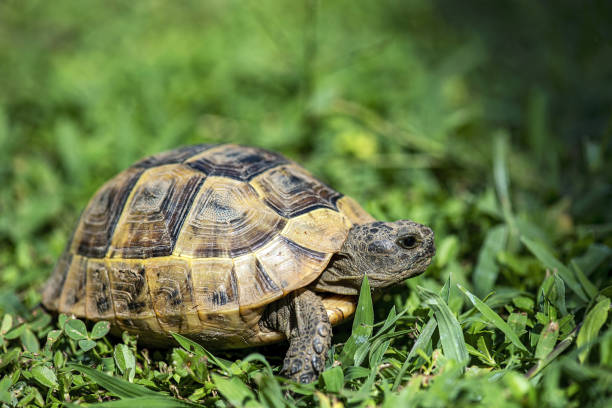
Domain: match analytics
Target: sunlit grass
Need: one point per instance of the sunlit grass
(414, 110)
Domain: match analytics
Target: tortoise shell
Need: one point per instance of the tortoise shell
(197, 241)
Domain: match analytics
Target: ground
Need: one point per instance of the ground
(490, 123)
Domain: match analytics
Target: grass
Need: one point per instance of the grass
(489, 124)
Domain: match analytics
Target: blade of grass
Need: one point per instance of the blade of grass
(502, 180)
(493, 317)
(548, 259)
(547, 340)
(451, 334)
(236, 392)
(593, 323)
(114, 385)
(486, 271)
(149, 402)
(419, 344)
(589, 288)
(362, 325)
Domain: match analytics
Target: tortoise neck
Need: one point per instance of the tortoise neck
(338, 277)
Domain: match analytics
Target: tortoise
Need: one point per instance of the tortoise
(231, 246)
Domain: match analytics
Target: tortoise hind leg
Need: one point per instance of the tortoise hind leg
(303, 319)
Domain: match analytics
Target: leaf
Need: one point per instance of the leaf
(100, 330)
(125, 360)
(15, 332)
(364, 314)
(333, 379)
(486, 271)
(451, 335)
(5, 395)
(561, 347)
(52, 336)
(589, 288)
(61, 320)
(481, 356)
(546, 257)
(271, 393)
(482, 347)
(75, 329)
(381, 344)
(261, 359)
(116, 386)
(45, 376)
(362, 328)
(7, 324)
(197, 349)
(594, 256)
(235, 392)
(30, 341)
(148, 402)
(500, 171)
(493, 318)
(87, 344)
(547, 340)
(8, 358)
(593, 322)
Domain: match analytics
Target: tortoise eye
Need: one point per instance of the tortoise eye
(407, 242)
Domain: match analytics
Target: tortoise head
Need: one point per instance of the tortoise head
(387, 252)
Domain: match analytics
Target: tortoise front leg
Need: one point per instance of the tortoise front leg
(303, 319)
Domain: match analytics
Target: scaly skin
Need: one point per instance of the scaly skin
(301, 316)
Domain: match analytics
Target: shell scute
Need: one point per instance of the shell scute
(256, 286)
(227, 220)
(322, 230)
(99, 305)
(171, 289)
(173, 156)
(290, 265)
(98, 221)
(214, 285)
(292, 191)
(236, 162)
(155, 211)
(131, 298)
(72, 299)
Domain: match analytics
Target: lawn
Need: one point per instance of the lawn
(490, 122)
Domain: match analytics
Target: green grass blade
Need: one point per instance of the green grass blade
(419, 344)
(236, 392)
(451, 334)
(148, 402)
(493, 317)
(486, 271)
(548, 259)
(333, 379)
(501, 177)
(595, 255)
(114, 385)
(261, 359)
(587, 285)
(362, 326)
(547, 340)
(593, 322)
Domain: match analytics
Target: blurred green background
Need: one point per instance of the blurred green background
(488, 121)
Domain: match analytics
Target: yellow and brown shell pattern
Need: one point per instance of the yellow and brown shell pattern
(198, 241)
